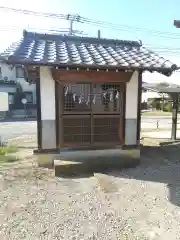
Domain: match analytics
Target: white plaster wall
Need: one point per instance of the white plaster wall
(47, 88)
(132, 97)
(131, 110)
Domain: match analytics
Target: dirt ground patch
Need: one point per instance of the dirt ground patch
(139, 203)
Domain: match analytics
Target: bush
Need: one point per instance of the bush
(168, 107)
(6, 149)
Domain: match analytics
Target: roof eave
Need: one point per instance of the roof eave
(163, 70)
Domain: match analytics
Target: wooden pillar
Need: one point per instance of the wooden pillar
(38, 106)
(139, 108)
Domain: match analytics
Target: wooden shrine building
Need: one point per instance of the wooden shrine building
(88, 89)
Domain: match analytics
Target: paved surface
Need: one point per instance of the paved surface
(25, 132)
(162, 122)
(159, 134)
(21, 133)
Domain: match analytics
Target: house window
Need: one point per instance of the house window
(29, 97)
(19, 72)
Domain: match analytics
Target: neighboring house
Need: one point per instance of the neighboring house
(152, 90)
(10, 76)
(89, 89)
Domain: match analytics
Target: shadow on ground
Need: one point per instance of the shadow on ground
(78, 163)
(158, 164)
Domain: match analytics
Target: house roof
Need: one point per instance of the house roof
(158, 87)
(75, 51)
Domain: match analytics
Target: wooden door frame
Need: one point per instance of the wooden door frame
(59, 113)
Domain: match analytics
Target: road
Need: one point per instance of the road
(25, 132)
(151, 122)
(21, 133)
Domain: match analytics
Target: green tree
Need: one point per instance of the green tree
(162, 85)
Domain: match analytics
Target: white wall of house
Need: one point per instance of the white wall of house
(152, 94)
(144, 97)
(10, 72)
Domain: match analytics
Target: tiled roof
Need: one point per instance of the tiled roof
(60, 50)
(158, 85)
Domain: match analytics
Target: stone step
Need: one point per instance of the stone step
(86, 162)
(70, 168)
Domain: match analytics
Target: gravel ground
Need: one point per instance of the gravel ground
(140, 203)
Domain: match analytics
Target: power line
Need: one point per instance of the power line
(126, 27)
(70, 17)
(73, 17)
(53, 29)
(78, 18)
(65, 31)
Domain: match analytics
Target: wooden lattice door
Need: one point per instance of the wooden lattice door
(91, 114)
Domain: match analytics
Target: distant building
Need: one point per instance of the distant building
(10, 76)
(150, 91)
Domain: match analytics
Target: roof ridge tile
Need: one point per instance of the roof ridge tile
(92, 40)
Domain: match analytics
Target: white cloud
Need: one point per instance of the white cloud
(157, 77)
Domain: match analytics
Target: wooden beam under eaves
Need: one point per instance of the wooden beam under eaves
(91, 76)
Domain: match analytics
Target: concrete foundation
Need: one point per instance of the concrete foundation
(48, 134)
(131, 132)
(86, 162)
(46, 160)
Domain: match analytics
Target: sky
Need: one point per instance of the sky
(136, 20)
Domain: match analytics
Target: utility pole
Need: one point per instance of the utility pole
(74, 18)
(175, 98)
(71, 27)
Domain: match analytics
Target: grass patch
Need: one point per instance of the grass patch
(6, 151)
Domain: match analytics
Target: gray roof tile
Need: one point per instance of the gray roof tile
(60, 50)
